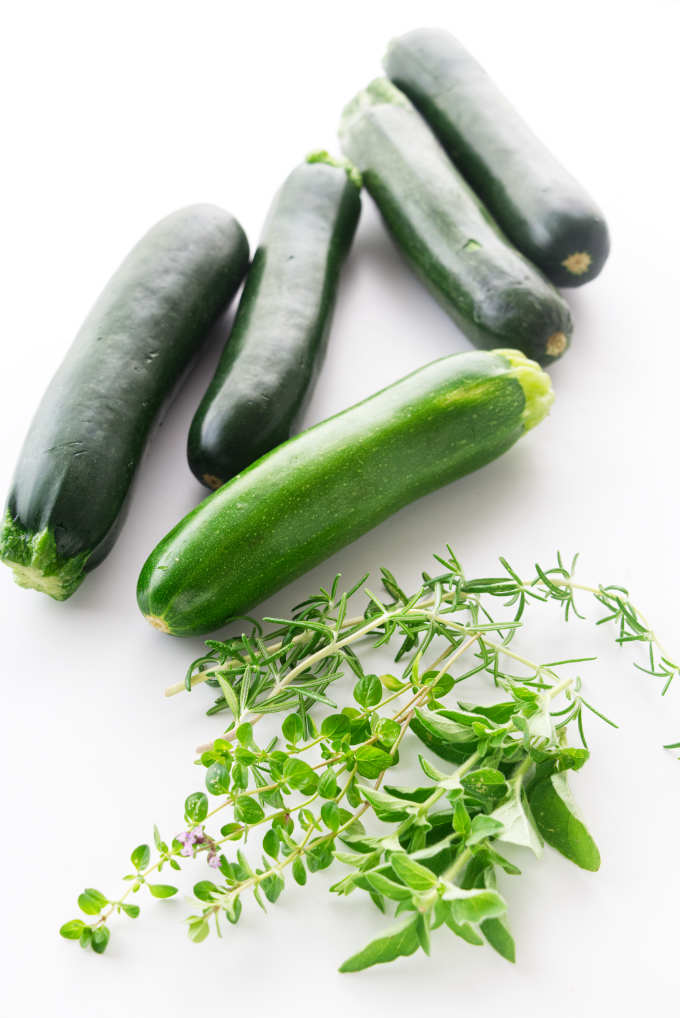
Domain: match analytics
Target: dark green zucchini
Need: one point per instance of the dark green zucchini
(328, 485)
(74, 472)
(492, 292)
(282, 321)
(541, 208)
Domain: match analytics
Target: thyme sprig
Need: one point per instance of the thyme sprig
(491, 773)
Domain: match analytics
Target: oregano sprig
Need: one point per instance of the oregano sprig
(328, 786)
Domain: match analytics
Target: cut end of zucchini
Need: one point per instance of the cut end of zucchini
(212, 481)
(538, 390)
(158, 623)
(577, 263)
(556, 344)
(322, 156)
(36, 562)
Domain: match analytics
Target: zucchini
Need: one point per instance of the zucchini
(496, 297)
(328, 485)
(71, 483)
(541, 208)
(282, 322)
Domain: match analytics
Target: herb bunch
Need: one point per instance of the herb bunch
(328, 786)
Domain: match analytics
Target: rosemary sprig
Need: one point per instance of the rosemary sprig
(500, 775)
(304, 654)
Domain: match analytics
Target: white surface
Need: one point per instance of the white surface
(120, 113)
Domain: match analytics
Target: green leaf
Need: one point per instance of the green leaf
(299, 871)
(517, 825)
(328, 785)
(494, 857)
(299, 775)
(196, 807)
(91, 901)
(388, 731)
(368, 691)
(392, 683)
(352, 794)
(244, 734)
(232, 831)
(233, 910)
(272, 797)
(320, 857)
(550, 760)
(444, 685)
(485, 783)
(86, 937)
(217, 778)
(423, 932)
(399, 942)
(412, 873)
(162, 890)
(441, 727)
(557, 819)
(540, 723)
(386, 807)
(483, 827)
(160, 845)
(499, 937)
(229, 695)
(335, 727)
(475, 721)
(330, 814)
(140, 857)
(272, 886)
(239, 776)
(410, 793)
(73, 929)
(248, 810)
(499, 713)
(461, 819)
(292, 728)
(431, 771)
(131, 910)
(388, 887)
(100, 938)
(372, 761)
(198, 930)
(473, 906)
(271, 843)
(377, 900)
(205, 889)
(222, 747)
(359, 730)
(463, 930)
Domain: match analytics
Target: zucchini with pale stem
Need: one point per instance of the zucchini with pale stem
(492, 292)
(309, 497)
(72, 481)
(543, 210)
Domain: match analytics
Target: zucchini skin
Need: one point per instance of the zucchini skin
(67, 499)
(328, 485)
(281, 326)
(492, 292)
(543, 210)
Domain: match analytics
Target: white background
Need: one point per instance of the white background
(115, 115)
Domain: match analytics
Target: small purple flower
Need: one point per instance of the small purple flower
(213, 860)
(190, 838)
